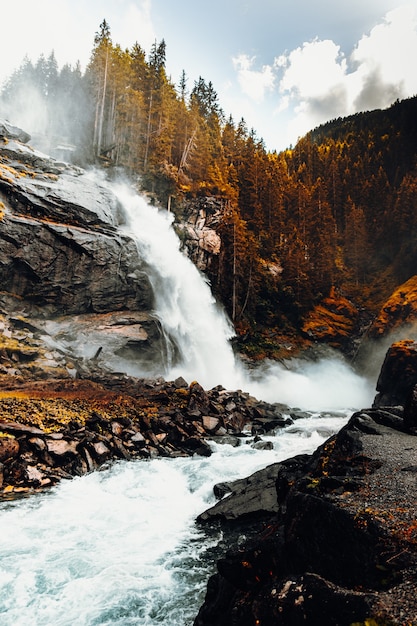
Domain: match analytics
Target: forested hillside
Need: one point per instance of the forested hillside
(334, 214)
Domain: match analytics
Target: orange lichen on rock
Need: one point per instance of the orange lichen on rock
(333, 320)
(399, 309)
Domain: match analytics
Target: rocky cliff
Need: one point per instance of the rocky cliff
(63, 257)
(337, 530)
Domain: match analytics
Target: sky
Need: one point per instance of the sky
(284, 66)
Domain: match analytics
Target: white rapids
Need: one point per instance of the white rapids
(120, 547)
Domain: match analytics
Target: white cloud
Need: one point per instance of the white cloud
(254, 83)
(384, 60)
(313, 69)
(320, 83)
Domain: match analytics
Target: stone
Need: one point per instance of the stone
(199, 401)
(139, 440)
(19, 429)
(398, 374)
(101, 451)
(9, 448)
(254, 495)
(34, 475)
(9, 131)
(211, 424)
(61, 448)
(38, 443)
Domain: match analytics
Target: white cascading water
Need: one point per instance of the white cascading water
(201, 331)
(183, 300)
(120, 547)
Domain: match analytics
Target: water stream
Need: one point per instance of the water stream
(120, 547)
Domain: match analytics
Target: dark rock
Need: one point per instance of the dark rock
(60, 250)
(262, 445)
(9, 448)
(410, 411)
(255, 495)
(199, 402)
(20, 429)
(101, 452)
(9, 131)
(197, 446)
(398, 374)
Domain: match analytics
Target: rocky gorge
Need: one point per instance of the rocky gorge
(331, 536)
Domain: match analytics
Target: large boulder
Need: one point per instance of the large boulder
(398, 374)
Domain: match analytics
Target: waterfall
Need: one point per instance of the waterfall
(198, 331)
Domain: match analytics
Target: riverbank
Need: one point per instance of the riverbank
(337, 540)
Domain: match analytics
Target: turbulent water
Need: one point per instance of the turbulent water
(120, 547)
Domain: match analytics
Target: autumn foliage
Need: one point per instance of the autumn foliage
(335, 211)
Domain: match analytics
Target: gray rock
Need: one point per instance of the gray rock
(13, 132)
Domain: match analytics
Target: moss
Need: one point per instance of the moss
(399, 309)
(6, 436)
(333, 320)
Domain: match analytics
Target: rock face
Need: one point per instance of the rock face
(61, 253)
(400, 309)
(197, 230)
(340, 546)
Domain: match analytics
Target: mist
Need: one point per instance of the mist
(51, 105)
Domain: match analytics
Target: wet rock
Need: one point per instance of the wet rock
(9, 448)
(252, 496)
(197, 446)
(59, 248)
(9, 131)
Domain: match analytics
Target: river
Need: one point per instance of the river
(120, 547)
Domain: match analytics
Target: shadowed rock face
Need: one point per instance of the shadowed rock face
(60, 250)
(63, 255)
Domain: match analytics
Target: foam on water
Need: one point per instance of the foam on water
(120, 547)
